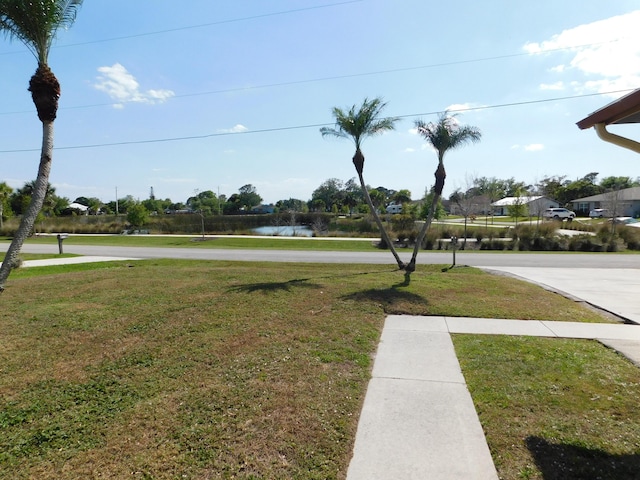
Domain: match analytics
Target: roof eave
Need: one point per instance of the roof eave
(623, 110)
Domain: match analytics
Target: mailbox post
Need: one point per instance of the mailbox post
(61, 237)
(454, 244)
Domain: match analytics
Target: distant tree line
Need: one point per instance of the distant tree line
(332, 196)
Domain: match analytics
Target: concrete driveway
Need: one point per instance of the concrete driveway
(615, 290)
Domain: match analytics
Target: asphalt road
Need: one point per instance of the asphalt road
(476, 259)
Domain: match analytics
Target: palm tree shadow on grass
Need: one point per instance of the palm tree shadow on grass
(392, 299)
(571, 462)
(266, 287)
(289, 284)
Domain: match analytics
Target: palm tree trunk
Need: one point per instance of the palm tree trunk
(358, 161)
(440, 176)
(37, 200)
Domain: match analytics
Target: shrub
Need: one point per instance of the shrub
(493, 245)
(402, 222)
(631, 236)
(584, 243)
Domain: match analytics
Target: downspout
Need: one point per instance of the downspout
(601, 130)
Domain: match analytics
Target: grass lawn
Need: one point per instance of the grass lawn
(190, 369)
(554, 408)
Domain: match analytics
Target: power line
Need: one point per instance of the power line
(202, 25)
(316, 125)
(340, 77)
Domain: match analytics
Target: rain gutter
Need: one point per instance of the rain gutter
(604, 134)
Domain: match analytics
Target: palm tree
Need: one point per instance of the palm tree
(357, 124)
(35, 23)
(443, 135)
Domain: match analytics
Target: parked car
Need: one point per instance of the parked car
(599, 213)
(628, 221)
(559, 214)
(394, 208)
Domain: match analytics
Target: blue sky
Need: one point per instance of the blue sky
(245, 86)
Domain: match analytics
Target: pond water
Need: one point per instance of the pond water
(284, 231)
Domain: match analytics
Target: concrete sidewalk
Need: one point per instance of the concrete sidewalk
(418, 420)
(46, 262)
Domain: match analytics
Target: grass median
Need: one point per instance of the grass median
(193, 369)
(222, 241)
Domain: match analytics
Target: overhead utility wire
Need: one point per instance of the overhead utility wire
(338, 77)
(300, 127)
(202, 25)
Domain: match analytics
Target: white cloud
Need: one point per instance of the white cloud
(462, 107)
(534, 147)
(552, 86)
(236, 129)
(409, 150)
(123, 87)
(608, 50)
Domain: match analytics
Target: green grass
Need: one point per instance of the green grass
(554, 408)
(193, 369)
(266, 242)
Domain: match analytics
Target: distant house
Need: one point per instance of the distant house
(535, 204)
(621, 203)
(77, 208)
(478, 205)
(264, 209)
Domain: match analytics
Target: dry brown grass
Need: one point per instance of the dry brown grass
(177, 369)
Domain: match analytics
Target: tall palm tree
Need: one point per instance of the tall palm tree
(443, 135)
(35, 23)
(356, 124)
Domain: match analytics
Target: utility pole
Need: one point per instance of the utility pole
(116, 201)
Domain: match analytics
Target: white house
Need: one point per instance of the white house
(535, 205)
(78, 207)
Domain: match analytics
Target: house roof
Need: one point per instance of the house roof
(506, 201)
(626, 194)
(623, 110)
(78, 206)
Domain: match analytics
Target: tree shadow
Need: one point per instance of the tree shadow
(571, 462)
(289, 284)
(266, 287)
(392, 299)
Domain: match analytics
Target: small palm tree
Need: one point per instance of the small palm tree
(35, 23)
(356, 124)
(443, 135)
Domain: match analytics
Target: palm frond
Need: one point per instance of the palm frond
(360, 121)
(446, 133)
(332, 132)
(35, 23)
